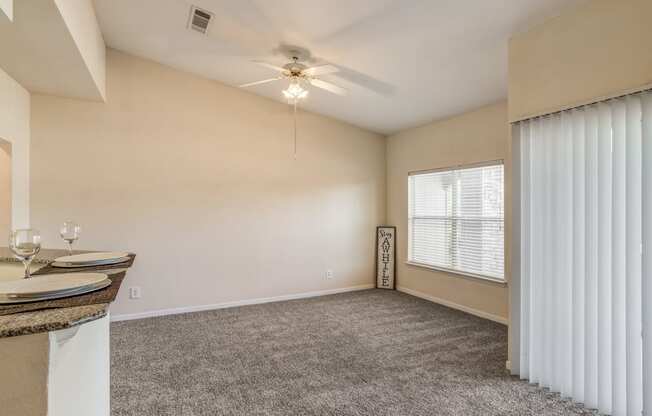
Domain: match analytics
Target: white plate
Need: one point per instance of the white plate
(91, 259)
(93, 264)
(56, 295)
(49, 283)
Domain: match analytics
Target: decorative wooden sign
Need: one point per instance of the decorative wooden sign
(386, 257)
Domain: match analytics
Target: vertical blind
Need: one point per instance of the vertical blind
(586, 254)
(456, 219)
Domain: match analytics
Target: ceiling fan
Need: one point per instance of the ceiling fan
(300, 76)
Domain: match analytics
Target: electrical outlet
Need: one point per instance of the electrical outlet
(329, 274)
(134, 292)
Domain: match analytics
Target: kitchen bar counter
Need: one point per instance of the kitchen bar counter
(51, 315)
(58, 350)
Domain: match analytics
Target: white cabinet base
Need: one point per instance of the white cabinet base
(79, 370)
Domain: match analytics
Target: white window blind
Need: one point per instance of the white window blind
(586, 254)
(456, 220)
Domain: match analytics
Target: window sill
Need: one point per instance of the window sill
(493, 280)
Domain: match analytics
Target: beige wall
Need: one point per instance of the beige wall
(79, 16)
(476, 136)
(598, 49)
(24, 380)
(14, 128)
(200, 181)
(54, 47)
(5, 191)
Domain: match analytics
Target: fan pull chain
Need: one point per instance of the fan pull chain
(295, 129)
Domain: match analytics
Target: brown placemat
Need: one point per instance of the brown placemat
(106, 295)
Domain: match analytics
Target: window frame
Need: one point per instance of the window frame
(462, 273)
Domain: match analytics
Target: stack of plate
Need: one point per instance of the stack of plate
(91, 259)
(51, 286)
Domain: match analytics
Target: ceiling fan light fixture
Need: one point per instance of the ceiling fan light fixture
(295, 92)
(299, 76)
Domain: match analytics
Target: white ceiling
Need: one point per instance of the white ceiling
(404, 62)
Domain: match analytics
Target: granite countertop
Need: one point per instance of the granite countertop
(51, 315)
(49, 319)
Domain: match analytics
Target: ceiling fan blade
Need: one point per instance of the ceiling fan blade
(328, 86)
(270, 66)
(260, 82)
(372, 84)
(321, 70)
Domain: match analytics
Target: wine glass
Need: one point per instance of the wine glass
(70, 231)
(25, 244)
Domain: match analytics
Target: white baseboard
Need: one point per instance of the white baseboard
(199, 308)
(454, 305)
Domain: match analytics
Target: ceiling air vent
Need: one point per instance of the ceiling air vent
(199, 19)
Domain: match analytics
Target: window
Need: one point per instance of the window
(456, 220)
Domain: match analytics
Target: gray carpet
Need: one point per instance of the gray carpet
(372, 352)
